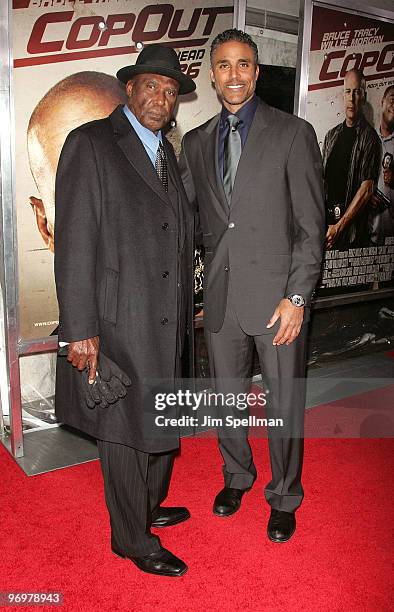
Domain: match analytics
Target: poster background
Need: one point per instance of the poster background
(37, 300)
(325, 109)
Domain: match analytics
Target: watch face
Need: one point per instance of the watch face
(297, 300)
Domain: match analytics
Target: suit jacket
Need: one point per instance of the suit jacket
(118, 260)
(269, 238)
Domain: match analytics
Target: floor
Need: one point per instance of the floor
(329, 384)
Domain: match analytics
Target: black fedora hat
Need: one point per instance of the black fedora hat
(158, 59)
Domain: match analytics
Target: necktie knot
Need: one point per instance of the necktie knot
(233, 122)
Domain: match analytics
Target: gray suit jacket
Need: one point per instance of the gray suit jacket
(269, 238)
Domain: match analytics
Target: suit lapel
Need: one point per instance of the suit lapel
(181, 198)
(209, 138)
(173, 172)
(171, 162)
(135, 153)
(247, 169)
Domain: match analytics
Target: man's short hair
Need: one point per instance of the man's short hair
(238, 36)
(387, 91)
(360, 75)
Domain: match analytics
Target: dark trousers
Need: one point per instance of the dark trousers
(283, 370)
(135, 484)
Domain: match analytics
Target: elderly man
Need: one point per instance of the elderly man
(123, 269)
(351, 158)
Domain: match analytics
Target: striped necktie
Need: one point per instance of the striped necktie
(161, 166)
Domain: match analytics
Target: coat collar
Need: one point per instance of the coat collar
(135, 153)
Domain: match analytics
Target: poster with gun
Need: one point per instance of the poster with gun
(350, 103)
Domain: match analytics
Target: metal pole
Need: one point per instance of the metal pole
(8, 233)
(239, 18)
(304, 37)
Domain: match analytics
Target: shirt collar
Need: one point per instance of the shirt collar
(360, 123)
(148, 138)
(245, 113)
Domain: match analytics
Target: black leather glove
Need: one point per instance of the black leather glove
(109, 386)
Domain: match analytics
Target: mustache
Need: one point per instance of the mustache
(158, 112)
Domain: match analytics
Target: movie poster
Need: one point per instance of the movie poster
(350, 103)
(66, 54)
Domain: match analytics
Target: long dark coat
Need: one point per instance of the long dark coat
(117, 273)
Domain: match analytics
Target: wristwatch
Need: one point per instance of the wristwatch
(296, 300)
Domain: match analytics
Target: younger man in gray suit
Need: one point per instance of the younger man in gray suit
(255, 176)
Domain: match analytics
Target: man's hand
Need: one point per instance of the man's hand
(84, 353)
(388, 177)
(332, 234)
(291, 318)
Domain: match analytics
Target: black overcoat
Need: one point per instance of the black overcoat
(117, 268)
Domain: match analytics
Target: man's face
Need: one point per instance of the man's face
(354, 97)
(152, 98)
(234, 73)
(388, 109)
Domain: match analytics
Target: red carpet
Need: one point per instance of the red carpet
(55, 536)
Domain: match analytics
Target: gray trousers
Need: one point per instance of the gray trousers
(230, 353)
(135, 484)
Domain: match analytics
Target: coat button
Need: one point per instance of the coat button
(165, 274)
(231, 225)
(226, 268)
(164, 321)
(164, 226)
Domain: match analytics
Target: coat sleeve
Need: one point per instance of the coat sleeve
(305, 180)
(77, 223)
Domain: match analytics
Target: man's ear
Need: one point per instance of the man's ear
(211, 76)
(42, 222)
(129, 88)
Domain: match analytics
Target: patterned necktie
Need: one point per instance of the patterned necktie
(161, 166)
(232, 153)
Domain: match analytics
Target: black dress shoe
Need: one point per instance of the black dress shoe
(160, 562)
(227, 501)
(165, 517)
(281, 525)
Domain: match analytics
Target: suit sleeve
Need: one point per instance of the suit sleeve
(305, 180)
(77, 223)
(188, 183)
